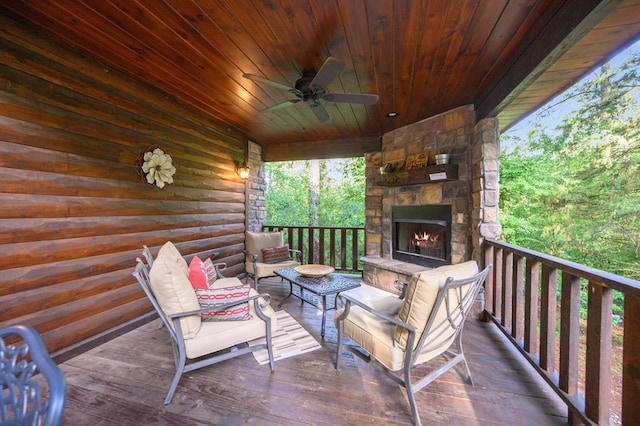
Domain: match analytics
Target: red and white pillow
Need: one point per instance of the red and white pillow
(215, 297)
(201, 274)
(212, 274)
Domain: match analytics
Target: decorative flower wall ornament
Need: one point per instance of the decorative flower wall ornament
(157, 165)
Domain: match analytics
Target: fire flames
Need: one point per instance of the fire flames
(423, 239)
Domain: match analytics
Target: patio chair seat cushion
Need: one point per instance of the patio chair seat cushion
(218, 335)
(373, 334)
(421, 295)
(266, 269)
(172, 288)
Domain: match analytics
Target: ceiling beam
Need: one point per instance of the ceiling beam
(335, 148)
(543, 46)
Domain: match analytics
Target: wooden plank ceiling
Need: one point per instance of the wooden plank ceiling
(420, 57)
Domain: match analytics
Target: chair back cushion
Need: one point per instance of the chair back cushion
(169, 251)
(172, 289)
(421, 295)
(256, 241)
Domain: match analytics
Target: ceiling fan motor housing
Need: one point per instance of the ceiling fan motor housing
(308, 92)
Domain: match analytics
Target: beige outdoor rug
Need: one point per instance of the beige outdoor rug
(290, 339)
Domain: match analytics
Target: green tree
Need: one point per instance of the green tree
(574, 191)
(340, 194)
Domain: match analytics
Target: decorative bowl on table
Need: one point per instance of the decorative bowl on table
(314, 271)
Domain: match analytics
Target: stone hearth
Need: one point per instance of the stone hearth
(473, 194)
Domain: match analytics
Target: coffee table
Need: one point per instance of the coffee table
(320, 286)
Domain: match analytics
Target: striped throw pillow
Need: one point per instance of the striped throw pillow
(276, 254)
(215, 297)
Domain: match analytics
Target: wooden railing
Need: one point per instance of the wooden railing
(530, 295)
(341, 248)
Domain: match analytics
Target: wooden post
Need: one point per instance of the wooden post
(631, 361)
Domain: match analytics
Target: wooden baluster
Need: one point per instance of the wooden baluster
(531, 306)
(569, 335)
(548, 306)
(507, 289)
(598, 353)
(517, 295)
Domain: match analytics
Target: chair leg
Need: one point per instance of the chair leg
(176, 378)
(270, 347)
(339, 349)
(469, 379)
(411, 395)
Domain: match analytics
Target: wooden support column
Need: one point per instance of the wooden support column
(631, 361)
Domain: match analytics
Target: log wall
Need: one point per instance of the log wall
(75, 208)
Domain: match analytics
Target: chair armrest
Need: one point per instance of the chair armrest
(402, 286)
(298, 254)
(221, 266)
(349, 300)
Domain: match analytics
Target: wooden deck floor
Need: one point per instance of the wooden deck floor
(124, 382)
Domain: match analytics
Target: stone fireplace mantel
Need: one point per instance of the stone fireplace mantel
(473, 149)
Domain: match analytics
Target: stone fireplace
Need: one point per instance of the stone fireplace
(421, 234)
(463, 196)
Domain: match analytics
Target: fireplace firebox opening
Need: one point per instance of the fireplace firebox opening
(422, 234)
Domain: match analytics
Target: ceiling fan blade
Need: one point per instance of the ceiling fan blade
(321, 114)
(328, 71)
(281, 105)
(269, 82)
(351, 98)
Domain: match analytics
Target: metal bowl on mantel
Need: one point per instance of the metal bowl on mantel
(314, 271)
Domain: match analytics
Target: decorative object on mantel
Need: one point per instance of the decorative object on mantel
(429, 174)
(393, 167)
(442, 159)
(158, 167)
(417, 161)
(387, 168)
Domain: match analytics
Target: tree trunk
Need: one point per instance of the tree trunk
(313, 169)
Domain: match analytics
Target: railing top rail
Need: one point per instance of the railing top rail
(617, 282)
(315, 227)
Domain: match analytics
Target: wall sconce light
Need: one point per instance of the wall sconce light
(243, 171)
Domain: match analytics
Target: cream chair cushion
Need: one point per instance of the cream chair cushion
(421, 295)
(171, 253)
(172, 289)
(373, 334)
(255, 242)
(217, 335)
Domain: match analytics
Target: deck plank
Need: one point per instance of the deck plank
(124, 382)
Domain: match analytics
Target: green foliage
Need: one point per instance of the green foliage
(574, 191)
(342, 184)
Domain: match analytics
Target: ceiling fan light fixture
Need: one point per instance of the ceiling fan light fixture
(392, 114)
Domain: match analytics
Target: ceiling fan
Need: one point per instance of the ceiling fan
(310, 88)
